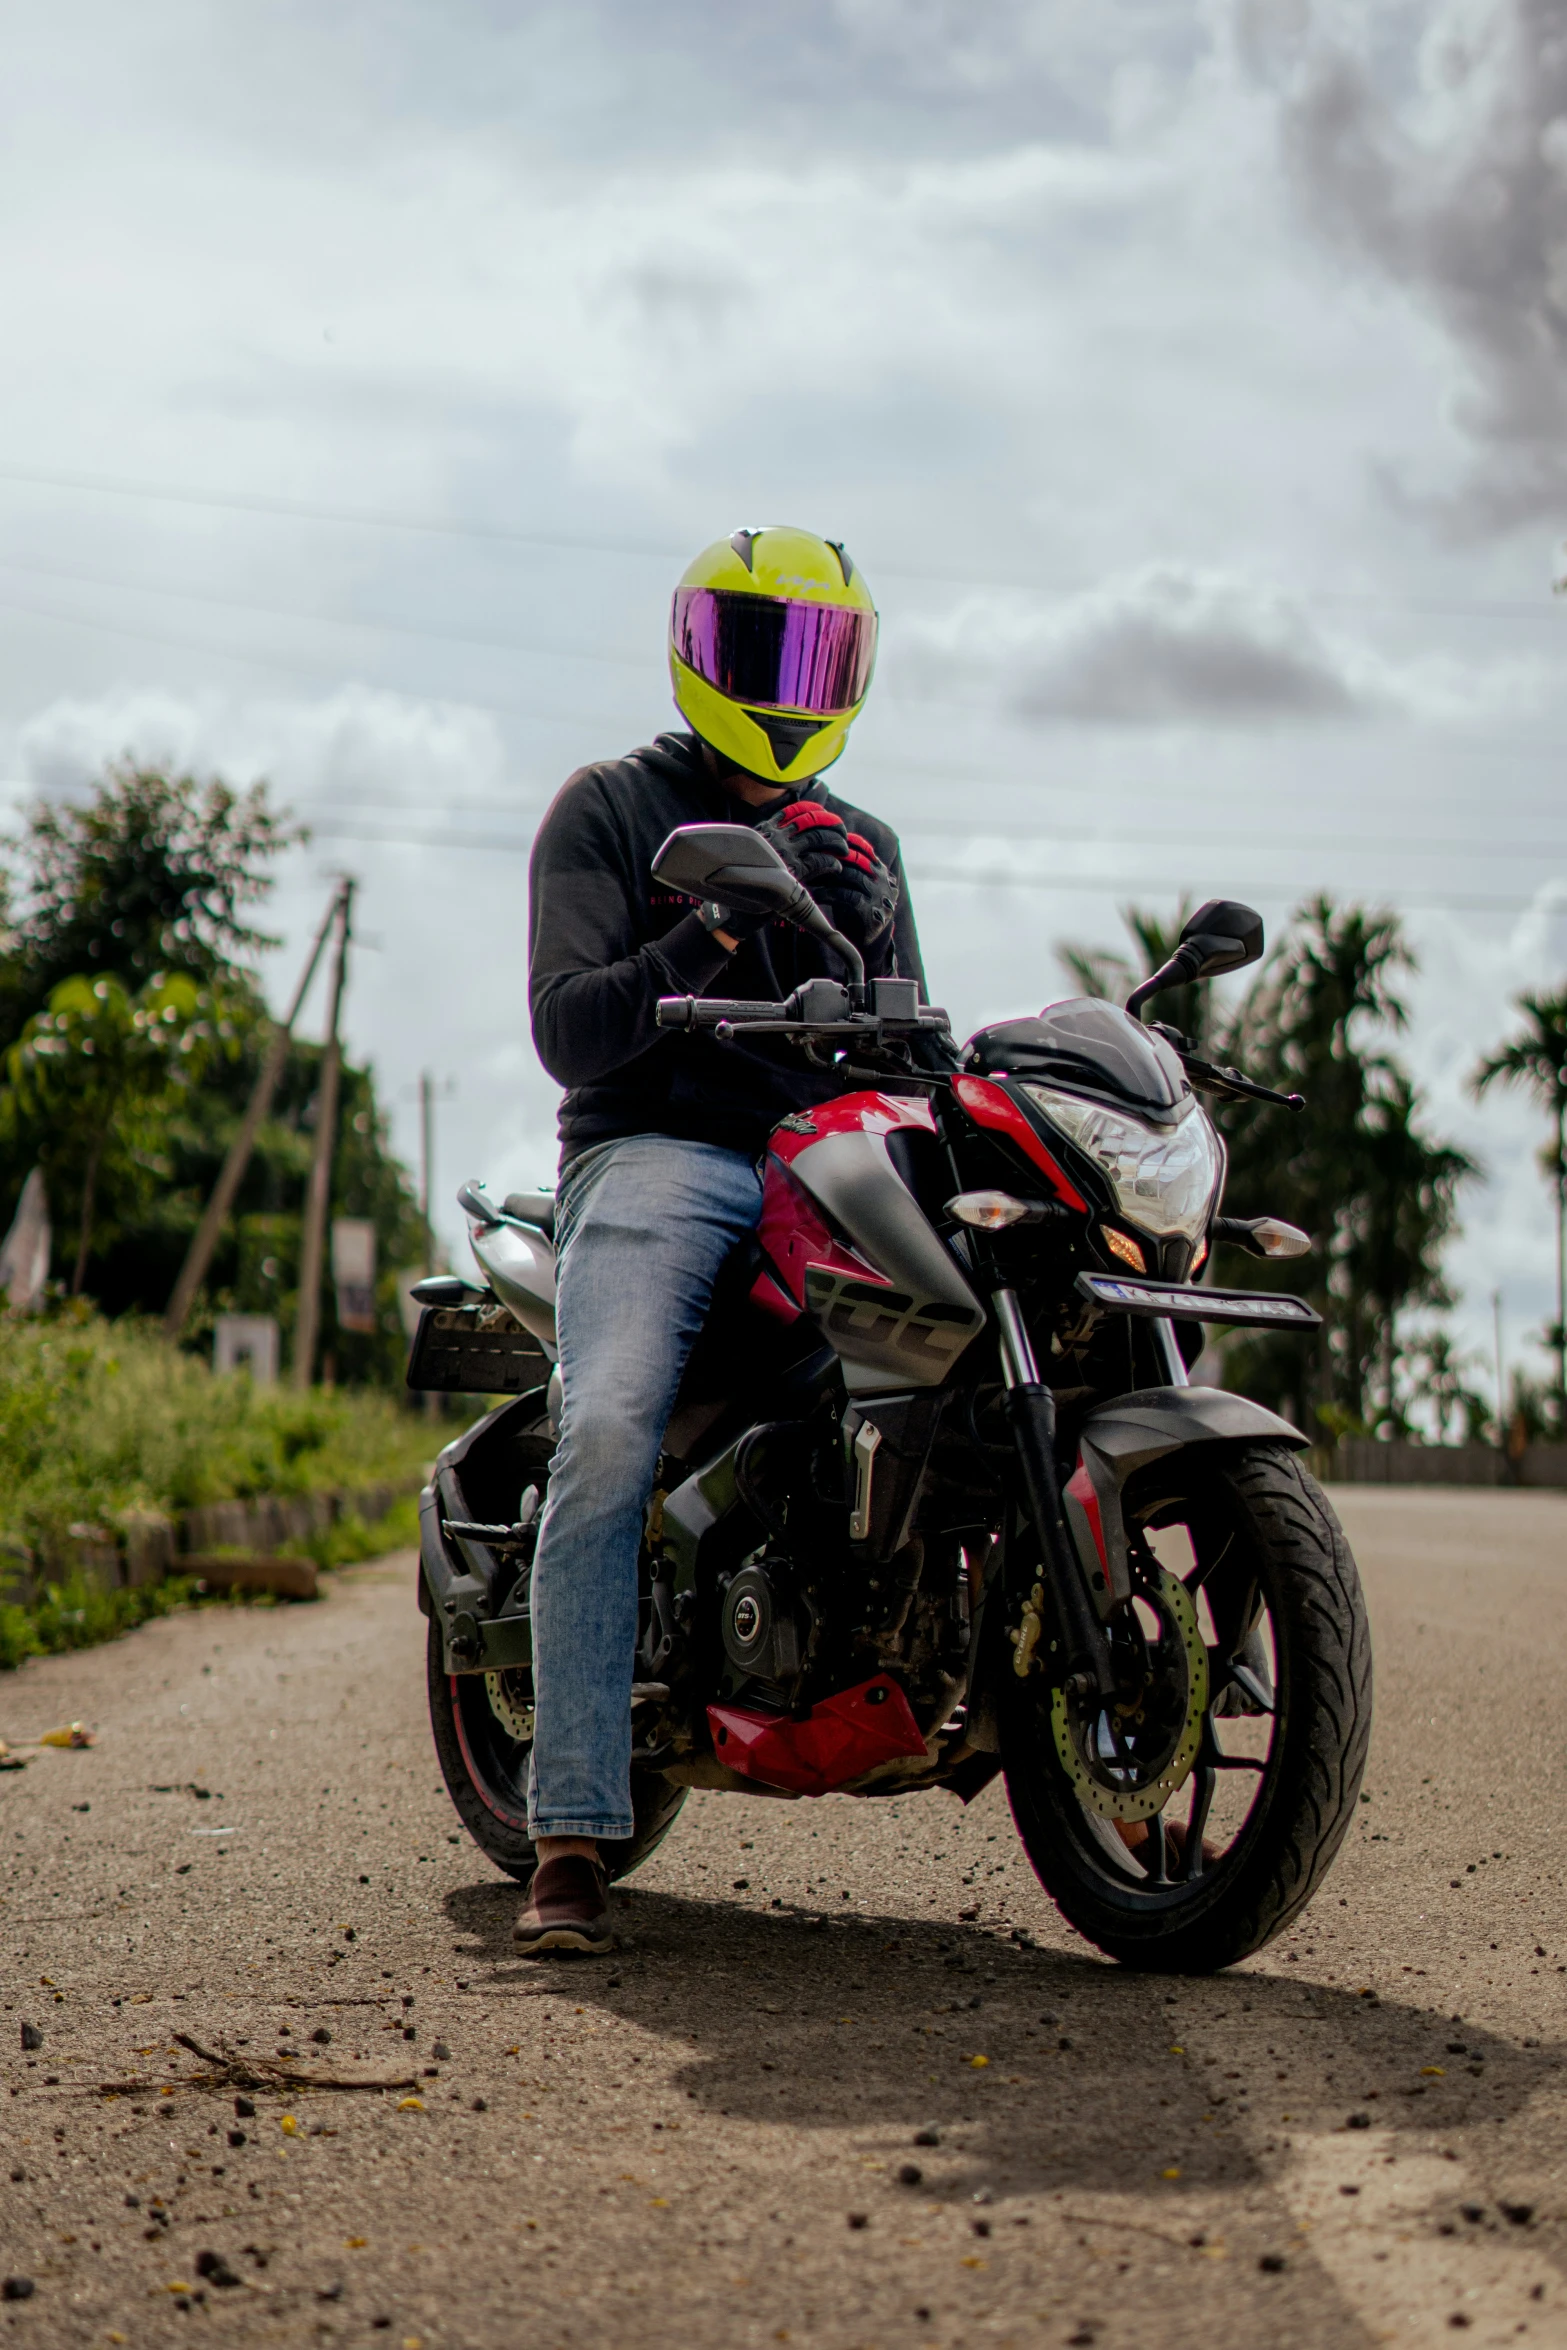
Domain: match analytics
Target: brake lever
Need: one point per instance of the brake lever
(1235, 1085)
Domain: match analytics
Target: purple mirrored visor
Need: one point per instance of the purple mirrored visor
(778, 655)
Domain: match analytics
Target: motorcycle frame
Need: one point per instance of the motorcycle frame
(1070, 1467)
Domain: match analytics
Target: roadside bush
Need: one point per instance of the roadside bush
(80, 1614)
(99, 1420)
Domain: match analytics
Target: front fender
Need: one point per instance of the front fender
(1123, 1436)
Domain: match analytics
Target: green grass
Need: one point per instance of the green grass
(79, 1614)
(352, 1538)
(99, 1420)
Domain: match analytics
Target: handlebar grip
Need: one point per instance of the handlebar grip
(693, 1011)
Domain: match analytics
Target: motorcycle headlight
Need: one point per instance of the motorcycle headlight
(1164, 1177)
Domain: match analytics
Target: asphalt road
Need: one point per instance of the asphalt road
(700, 2141)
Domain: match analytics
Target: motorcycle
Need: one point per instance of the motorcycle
(938, 1500)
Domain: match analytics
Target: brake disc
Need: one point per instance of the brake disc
(511, 1708)
(1121, 1765)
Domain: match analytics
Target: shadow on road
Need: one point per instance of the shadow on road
(1096, 2078)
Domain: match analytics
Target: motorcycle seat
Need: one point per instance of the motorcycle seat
(532, 1207)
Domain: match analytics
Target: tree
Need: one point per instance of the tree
(1357, 1170)
(91, 1083)
(1536, 1061)
(159, 874)
(151, 874)
(1437, 1380)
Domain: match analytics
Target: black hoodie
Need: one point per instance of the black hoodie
(605, 942)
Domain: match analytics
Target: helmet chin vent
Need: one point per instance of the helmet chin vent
(788, 736)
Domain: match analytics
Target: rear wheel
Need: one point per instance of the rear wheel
(483, 1728)
(1184, 1825)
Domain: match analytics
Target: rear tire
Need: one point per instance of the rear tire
(486, 1772)
(1252, 1513)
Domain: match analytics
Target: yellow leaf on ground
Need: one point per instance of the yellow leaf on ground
(661, 2203)
(979, 2062)
(289, 2126)
(410, 2105)
(1434, 2071)
(356, 2243)
(1172, 2173)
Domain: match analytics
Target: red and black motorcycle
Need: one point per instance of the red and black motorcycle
(937, 1499)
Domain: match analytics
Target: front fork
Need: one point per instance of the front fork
(1079, 1653)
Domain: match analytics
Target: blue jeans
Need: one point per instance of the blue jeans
(642, 1226)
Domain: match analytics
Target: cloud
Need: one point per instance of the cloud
(1163, 645)
(358, 745)
(1452, 181)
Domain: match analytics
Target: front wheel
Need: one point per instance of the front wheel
(1184, 1824)
(483, 1729)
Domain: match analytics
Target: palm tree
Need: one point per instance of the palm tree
(1360, 1171)
(1537, 1060)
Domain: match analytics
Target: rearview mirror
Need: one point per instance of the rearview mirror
(735, 866)
(1221, 936)
(1225, 935)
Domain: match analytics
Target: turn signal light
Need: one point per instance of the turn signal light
(993, 1211)
(1275, 1238)
(1122, 1245)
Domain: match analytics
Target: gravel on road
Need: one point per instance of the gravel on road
(848, 2080)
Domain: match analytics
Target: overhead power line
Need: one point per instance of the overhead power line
(377, 626)
(570, 542)
(323, 817)
(304, 666)
(1008, 877)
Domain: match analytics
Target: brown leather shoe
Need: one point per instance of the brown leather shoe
(567, 1909)
(1134, 1834)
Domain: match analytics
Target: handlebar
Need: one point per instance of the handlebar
(711, 1011)
(882, 1010)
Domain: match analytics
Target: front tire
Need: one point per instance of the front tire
(482, 1740)
(1256, 1544)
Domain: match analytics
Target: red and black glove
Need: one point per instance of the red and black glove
(855, 890)
(811, 841)
(842, 871)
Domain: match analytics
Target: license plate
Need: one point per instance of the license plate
(1267, 1308)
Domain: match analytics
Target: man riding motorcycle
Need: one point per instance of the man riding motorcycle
(772, 643)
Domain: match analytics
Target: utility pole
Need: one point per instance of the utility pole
(1559, 1334)
(1501, 1391)
(318, 1191)
(427, 1163)
(232, 1174)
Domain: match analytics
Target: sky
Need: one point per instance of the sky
(1188, 381)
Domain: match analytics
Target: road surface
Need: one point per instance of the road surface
(724, 2135)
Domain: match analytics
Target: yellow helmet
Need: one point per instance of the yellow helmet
(772, 640)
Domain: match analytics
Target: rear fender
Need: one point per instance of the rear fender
(1120, 1437)
(520, 1263)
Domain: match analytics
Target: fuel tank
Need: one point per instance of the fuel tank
(845, 1241)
